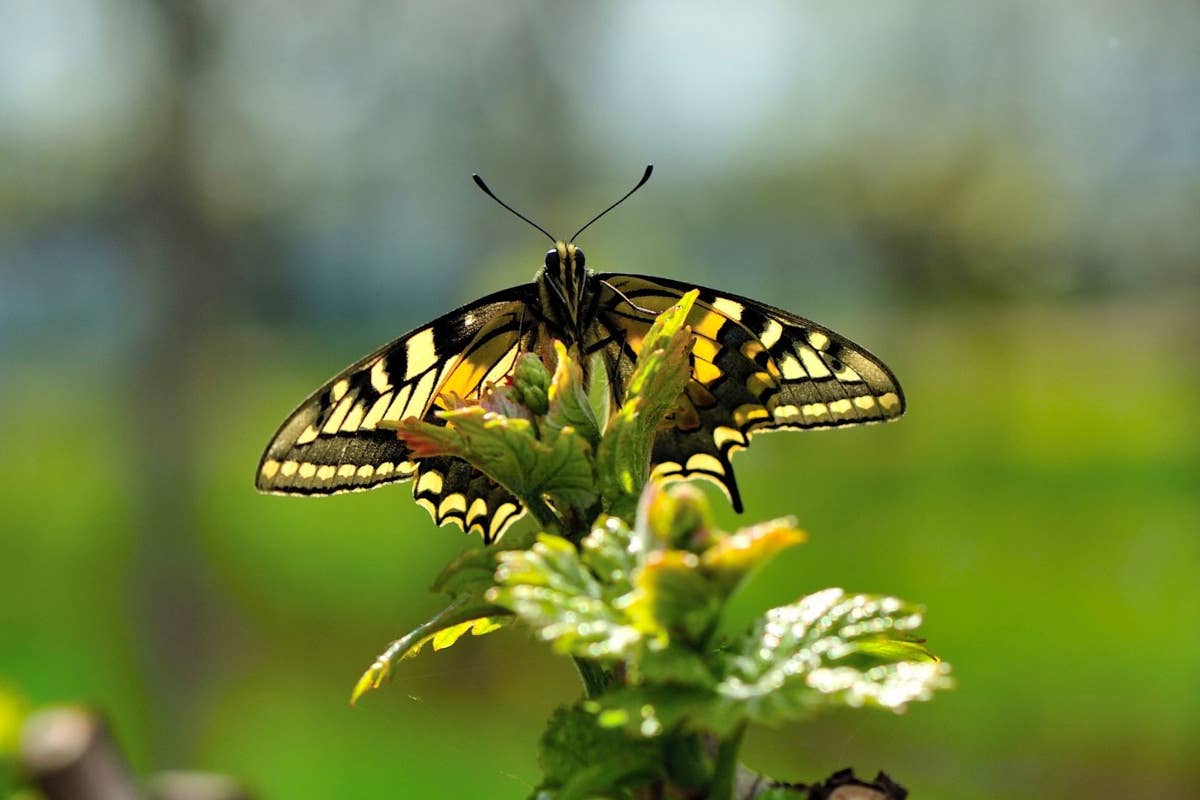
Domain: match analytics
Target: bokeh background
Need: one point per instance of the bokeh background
(207, 208)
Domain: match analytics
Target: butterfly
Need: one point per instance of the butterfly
(755, 368)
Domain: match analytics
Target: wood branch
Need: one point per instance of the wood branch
(70, 754)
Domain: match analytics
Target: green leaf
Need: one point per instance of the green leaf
(581, 759)
(442, 630)
(809, 653)
(672, 598)
(663, 369)
(551, 589)
(609, 552)
(568, 405)
(473, 570)
(509, 450)
(732, 558)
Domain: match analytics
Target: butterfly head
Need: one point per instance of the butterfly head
(566, 274)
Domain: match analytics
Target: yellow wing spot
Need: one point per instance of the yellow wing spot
(751, 350)
(707, 324)
(502, 368)
(310, 434)
(308, 469)
(759, 383)
(705, 349)
(326, 472)
(813, 363)
(815, 412)
(289, 468)
(730, 308)
(452, 503)
(346, 471)
(847, 375)
(366, 471)
(787, 413)
(791, 369)
(771, 333)
(865, 403)
(419, 354)
(724, 435)
(430, 482)
(339, 414)
(339, 390)
(501, 516)
(396, 409)
(380, 380)
(818, 340)
(427, 504)
(842, 409)
(743, 415)
(376, 412)
(384, 469)
(478, 509)
(705, 372)
(354, 419)
(269, 468)
(705, 462)
(890, 402)
(419, 400)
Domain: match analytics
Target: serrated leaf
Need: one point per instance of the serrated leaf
(800, 656)
(450, 624)
(556, 466)
(609, 552)
(732, 558)
(662, 370)
(552, 590)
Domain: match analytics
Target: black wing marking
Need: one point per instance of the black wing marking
(755, 368)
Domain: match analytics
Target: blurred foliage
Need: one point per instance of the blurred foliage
(202, 215)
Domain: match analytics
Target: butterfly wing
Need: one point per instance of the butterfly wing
(339, 438)
(754, 368)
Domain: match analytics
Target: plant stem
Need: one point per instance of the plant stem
(725, 769)
(595, 677)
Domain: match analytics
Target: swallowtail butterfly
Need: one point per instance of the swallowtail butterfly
(755, 368)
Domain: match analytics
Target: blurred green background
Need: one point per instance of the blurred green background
(207, 208)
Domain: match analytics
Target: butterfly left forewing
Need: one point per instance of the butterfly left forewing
(755, 368)
(342, 437)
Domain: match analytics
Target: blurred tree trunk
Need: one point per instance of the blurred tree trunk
(182, 276)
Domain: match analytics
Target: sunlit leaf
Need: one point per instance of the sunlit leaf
(663, 369)
(442, 630)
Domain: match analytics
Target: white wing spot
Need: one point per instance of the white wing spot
(771, 333)
(791, 369)
(326, 472)
(310, 434)
(818, 340)
(289, 468)
(269, 468)
(339, 390)
(380, 379)
(730, 308)
(890, 402)
(308, 469)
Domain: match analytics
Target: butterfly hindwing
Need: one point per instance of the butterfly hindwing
(755, 368)
(342, 438)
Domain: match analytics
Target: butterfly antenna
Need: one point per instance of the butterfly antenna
(479, 182)
(642, 182)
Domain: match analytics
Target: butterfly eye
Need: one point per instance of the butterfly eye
(579, 258)
(552, 259)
